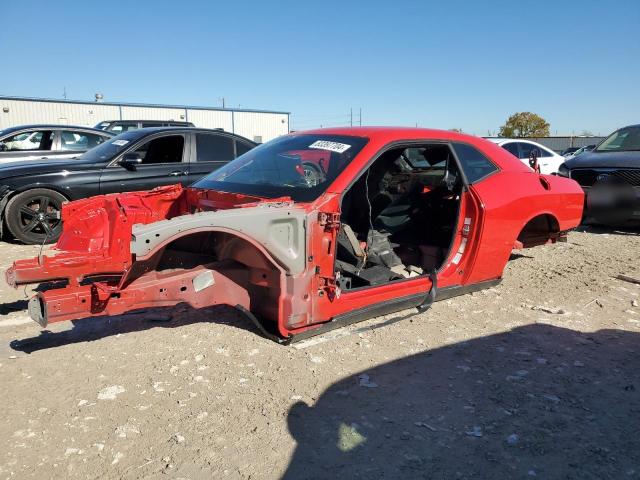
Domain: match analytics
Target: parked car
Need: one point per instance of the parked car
(586, 148)
(393, 218)
(568, 151)
(120, 126)
(610, 177)
(32, 193)
(44, 142)
(548, 160)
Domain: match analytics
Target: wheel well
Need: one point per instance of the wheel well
(23, 190)
(228, 254)
(539, 230)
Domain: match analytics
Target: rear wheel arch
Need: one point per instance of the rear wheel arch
(538, 230)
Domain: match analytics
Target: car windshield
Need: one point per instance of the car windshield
(624, 140)
(296, 166)
(109, 149)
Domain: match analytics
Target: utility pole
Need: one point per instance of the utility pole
(64, 93)
(221, 100)
(351, 116)
(360, 117)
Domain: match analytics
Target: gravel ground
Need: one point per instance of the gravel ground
(537, 377)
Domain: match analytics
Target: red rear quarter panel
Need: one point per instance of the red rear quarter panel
(510, 200)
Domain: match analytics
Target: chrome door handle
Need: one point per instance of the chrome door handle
(177, 173)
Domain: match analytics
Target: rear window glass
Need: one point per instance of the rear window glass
(474, 164)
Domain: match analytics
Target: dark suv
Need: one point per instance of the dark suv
(610, 178)
(119, 126)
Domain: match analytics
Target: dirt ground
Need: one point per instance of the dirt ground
(538, 377)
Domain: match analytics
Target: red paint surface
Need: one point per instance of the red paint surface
(97, 234)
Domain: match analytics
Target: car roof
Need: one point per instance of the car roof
(51, 126)
(141, 132)
(148, 121)
(381, 136)
(525, 140)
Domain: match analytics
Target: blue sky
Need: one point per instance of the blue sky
(438, 64)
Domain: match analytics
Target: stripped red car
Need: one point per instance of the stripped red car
(307, 232)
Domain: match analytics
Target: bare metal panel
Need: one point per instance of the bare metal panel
(279, 227)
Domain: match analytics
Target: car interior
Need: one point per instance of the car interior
(399, 218)
(167, 149)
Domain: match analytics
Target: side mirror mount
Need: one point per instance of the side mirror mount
(533, 160)
(130, 160)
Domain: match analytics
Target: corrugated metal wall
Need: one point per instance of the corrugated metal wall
(152, 113)
(22, 112)
(255, 125)
(210, 119)
(560, 143)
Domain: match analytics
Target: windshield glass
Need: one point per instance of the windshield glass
(624, 140)
(109, 149)
(296, 166)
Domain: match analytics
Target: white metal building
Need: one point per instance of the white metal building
(257, 125)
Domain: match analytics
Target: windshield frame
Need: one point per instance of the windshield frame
(270, 159)
(635, 130)
(93, 155)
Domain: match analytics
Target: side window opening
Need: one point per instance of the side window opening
(512, 148)
(242, 148)
(398, 219)
(162, 150)
(544, 153)
(124, 127)
(526, 149)
(214, 148)
(474, 164)
(79, 141)
(31, 140)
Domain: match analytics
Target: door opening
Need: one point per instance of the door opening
(399, 219)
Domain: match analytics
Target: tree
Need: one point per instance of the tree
(525, 124)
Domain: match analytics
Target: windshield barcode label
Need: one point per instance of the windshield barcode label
(331, 146)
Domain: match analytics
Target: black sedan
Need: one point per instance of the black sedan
(32, 193)
(610, 177)
(41, 142)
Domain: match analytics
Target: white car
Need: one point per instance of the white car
(548, 160)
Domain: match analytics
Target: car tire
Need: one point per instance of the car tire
(313, 175)
(33, 217)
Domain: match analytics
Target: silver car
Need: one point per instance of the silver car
(38, 142)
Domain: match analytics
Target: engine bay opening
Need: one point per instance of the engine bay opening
(398, 220)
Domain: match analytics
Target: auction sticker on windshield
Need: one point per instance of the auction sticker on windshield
(120, 143)
(331, 146)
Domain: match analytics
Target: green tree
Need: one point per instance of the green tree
(525, 124)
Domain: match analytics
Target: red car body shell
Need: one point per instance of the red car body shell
(97, 238)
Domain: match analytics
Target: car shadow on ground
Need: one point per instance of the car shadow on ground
(536, 401)
(95, 328)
